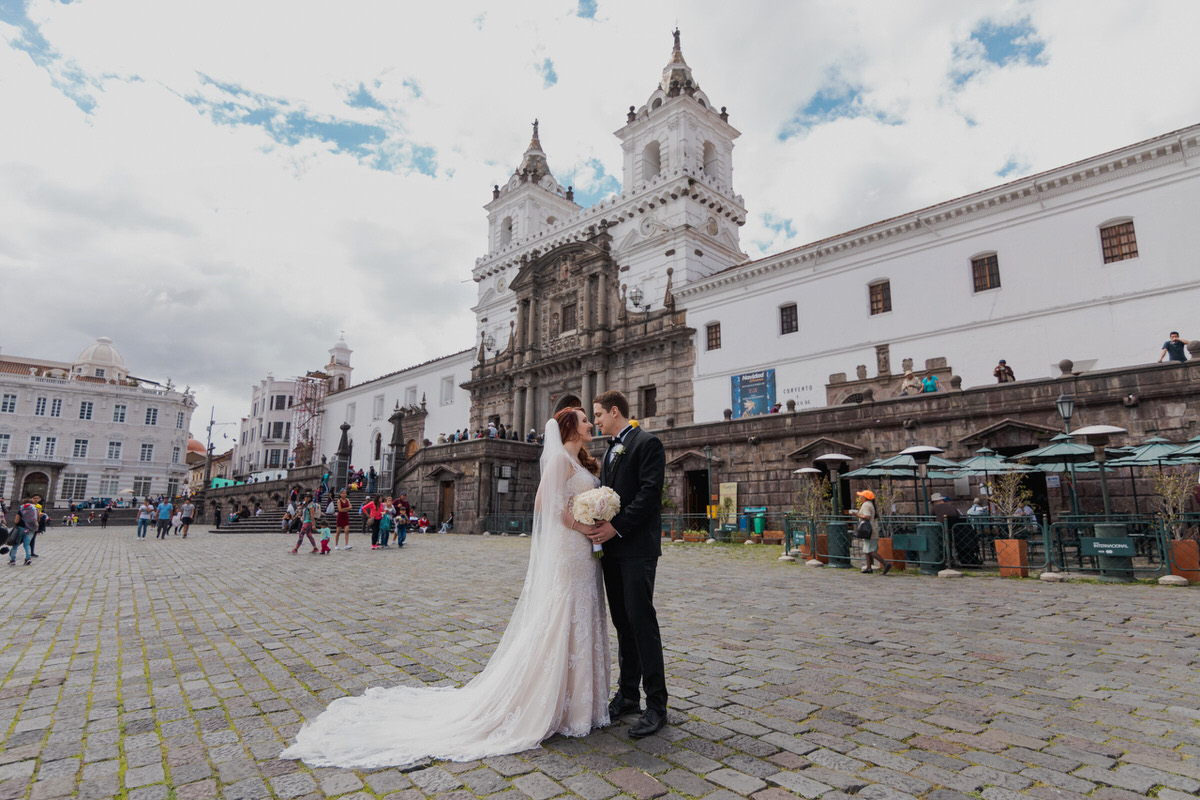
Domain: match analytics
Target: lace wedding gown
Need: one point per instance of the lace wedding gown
(549, 673)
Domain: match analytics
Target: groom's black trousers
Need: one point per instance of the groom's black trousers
(629, 584)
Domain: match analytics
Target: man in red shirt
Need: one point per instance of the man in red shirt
(373, 511)
(403, 512)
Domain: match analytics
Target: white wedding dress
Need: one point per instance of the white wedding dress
(549, 674)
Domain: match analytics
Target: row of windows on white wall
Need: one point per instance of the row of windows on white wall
(74, 486)
(87, 408)
(1118, 243)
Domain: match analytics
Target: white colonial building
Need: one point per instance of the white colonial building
(1091, 262)
(432, 390)
(71, 431)
(264, 441)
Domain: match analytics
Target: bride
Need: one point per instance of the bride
(550, 671)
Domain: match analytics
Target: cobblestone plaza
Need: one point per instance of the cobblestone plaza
(182, 668)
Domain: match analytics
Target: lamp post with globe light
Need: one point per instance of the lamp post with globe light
(1066, 409)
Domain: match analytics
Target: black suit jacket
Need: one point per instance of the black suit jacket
(637, 476)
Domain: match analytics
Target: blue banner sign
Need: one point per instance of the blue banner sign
(753, 393)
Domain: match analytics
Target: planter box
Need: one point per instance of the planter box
(692, 537)
(1013, 555)
(891, 555)
(1185, 558)
(822, 553)
(772, 537)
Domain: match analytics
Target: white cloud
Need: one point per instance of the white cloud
(214, 253)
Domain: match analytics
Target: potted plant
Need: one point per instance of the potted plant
(887, 496)
(1174, 486)
(1009, 496)
(812, 500)
(693, 535)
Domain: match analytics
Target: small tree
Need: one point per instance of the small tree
(667, 502)
(1009, 495)
(812, 499)
(1174, 486)
(886, 496)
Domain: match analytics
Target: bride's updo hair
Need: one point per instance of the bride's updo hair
(568, 420)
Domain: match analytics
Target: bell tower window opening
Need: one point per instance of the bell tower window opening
(651, 161)
(711, 166)
(506, 231)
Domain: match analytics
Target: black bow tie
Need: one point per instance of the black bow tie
(614, 440)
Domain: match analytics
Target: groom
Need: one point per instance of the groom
(633, 465)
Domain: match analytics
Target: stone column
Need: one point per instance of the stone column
(531, 420)
(520, 325)
(589, 390)
(532, 324)
(603, 300)
(519, 410)
(589, 297)
(601, 381)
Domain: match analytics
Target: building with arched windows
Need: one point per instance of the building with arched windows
(84, 429)
(650, 292)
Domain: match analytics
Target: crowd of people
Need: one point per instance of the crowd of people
(494, 430)
(30, 520)
(388, 520)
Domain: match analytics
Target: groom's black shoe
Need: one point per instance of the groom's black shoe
(619, 707)
(651, 722)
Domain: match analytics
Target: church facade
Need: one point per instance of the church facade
(650, 292)
(574, 301)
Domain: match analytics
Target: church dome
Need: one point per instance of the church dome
(195, 446)
(101, 354)
(100, 361)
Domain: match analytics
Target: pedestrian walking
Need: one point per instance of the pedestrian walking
(309, 511)
(104, 519)
(164, 518)
(342, 520)
(372, 512)
(23, 532)
(870, 544)
(325, 539)
(145, 514)
(187, 513)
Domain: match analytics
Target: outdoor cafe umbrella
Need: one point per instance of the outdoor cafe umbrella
(901, 467)
(987, 461)
(1189, 450)
(1154, 450)
(1062, 450)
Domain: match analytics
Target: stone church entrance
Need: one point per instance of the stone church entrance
(695, 491)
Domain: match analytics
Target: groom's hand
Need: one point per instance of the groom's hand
(601, 533)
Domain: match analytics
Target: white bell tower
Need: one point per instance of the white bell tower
(678, 158)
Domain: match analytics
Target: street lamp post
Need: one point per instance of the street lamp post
(708, 505)
(921, 454)
(1097, 436)
(1066, 409)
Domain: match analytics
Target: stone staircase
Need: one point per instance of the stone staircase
(271, 520)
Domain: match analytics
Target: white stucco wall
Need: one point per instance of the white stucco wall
(405, 387)
(1057, 299)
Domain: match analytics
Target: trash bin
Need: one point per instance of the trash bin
(838, 534)
(933, 558)
(757, 518)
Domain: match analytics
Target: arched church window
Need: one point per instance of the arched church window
(651, 161)
(506, 231)
(657, 102)
(710, 159)
(341, 384)
(378, 445)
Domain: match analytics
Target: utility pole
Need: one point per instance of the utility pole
(208, 450)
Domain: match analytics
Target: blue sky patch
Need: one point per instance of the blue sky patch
(362, 98)
(287, 124)
(586, 9)
(412, 86)
(830, 103)
(1012, 168)
(780, 224)
(64, 75)
(549, 76)
(602, 186)
(1009, 44)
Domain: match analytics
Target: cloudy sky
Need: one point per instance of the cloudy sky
(222, 187)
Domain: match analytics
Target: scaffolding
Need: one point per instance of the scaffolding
(307, 411)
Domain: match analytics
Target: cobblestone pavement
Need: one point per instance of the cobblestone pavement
(181, 669)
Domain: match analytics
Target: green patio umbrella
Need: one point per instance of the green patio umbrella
(1155, 451)
(1189, 450)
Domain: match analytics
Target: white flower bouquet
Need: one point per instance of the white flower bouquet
(596, 505)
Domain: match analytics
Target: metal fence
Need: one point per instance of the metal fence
(1115, 546)
(508, 524)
